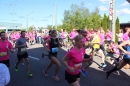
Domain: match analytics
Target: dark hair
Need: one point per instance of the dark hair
(53, 31)
(2, 32)
(22, 32)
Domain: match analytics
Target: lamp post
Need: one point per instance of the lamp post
(52, 21)
(27, 20)
(112, 14)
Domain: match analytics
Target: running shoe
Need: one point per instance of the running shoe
(56, 77)
(29, 74)
(43, 55)
(16, 68)
(84, 72)
(45, 73)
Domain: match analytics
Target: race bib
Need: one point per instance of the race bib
(23, 49)
(54, 50)
(3, 54)
(77, 67)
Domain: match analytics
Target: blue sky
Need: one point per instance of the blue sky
(16, 11)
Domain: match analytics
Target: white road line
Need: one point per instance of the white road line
(33, 58)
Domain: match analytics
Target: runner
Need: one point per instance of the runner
(126, 58)
(5, 47)
(53, 50)
(75, 57)
(22, 53)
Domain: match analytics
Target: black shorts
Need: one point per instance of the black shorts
(52, 55)
(126, 59)
(25, 55)
(6, 62)
(86, 56)
(71, 78)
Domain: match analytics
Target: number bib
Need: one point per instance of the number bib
(23, 49)
(3, 54)
(54, 50)
(77, 66)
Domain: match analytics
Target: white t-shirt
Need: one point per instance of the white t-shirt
(4, 75)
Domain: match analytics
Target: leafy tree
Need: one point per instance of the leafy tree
(104, 22)
(30, 28)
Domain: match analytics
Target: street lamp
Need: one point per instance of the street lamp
(27, 19)
(55, 10)
(52, 21)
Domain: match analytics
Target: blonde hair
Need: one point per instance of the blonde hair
(78, 38)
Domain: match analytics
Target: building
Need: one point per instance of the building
(10, 26)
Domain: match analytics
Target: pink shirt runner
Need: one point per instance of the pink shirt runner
(101, 38)
(109, 35)
(125, 36)
(4, 46)
(73, 35)
(75, 60)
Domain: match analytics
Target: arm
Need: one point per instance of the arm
(64, 60)
(123, 44)
(44, 44)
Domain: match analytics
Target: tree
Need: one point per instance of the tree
(30, 28)
(104, 22)
(117, 27)
(79, 17)
(108, 22)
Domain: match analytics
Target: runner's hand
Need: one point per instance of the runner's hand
(71, 69)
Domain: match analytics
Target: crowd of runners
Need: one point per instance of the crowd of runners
(82, 46)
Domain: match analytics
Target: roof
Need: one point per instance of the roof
(6, 24)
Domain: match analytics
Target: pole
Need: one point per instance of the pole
(114, 21)
(55, 10)
(27, 24)
(112, 16)
(52, 21)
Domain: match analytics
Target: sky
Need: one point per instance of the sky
(41, 12)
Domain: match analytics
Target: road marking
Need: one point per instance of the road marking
(33, 58)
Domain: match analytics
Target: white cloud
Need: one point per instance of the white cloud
(104, 1)
(124, 11)
(125, 4)
(89, 4)
(102, 8)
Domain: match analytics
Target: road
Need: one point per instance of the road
(96, 76)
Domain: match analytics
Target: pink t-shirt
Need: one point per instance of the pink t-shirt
(73, 35)
(101, 38)
(75, 60)
(109, 35)
(125, 36)
(62, 35)
(115, 48)
(48, 44)
(4, 46)
(88, 36)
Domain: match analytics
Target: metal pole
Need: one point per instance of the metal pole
(27, 24)
(52, 21)
(114, 20)
(55, 16)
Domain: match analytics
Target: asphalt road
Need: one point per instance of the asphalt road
(96, 76)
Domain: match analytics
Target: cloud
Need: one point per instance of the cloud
(102, 8)
(104, 1)
(122, 12)
(89, 4)
(125, 3)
